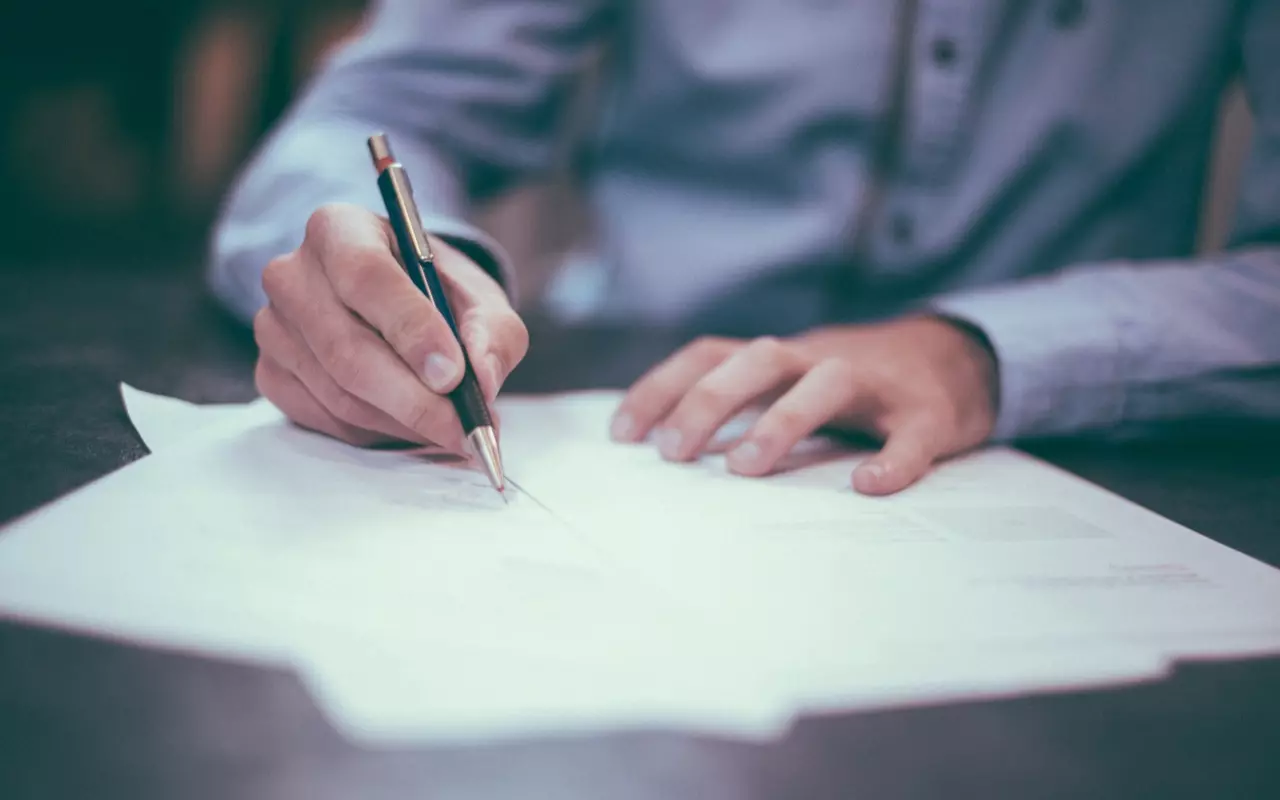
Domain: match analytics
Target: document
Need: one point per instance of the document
(996, 556)
(408, 595)
(617, 590)
(163, 422)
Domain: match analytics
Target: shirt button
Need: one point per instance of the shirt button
(902, 228)
(944, 52)
(1068, 14)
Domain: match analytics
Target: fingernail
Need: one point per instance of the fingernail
(439, 372)
(623, 427)
(669, 442)
(745, 456)
(867, 478)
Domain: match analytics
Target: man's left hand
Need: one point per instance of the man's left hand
(924, 386)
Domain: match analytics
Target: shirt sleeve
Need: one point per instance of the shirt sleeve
(470, 93)
(1125, 346)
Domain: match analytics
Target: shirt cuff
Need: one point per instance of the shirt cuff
(1059, 358)
(476, 245)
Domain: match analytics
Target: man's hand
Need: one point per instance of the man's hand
(350, 347)
(924, 386)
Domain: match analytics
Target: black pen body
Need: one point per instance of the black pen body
(467, 397)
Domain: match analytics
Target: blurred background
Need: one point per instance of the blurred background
(123, 121)
(122, 124)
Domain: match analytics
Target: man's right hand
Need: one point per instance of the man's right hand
(349, 347)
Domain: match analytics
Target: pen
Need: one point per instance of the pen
(419, 262)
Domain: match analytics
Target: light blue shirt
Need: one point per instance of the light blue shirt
(762, 166)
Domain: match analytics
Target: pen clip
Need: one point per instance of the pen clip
(408, 210)
(401, 196)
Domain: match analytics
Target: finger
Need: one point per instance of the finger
(763, 365)
(827, 391)
(653, 397)
(287, 393)
(908, 452)
(495, 337)
(282, 344)
(497, 342)
(354, 248)
(355, 356)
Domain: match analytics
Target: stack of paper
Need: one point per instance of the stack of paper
(617, 590)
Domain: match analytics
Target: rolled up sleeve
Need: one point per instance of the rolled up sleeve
(468, 113)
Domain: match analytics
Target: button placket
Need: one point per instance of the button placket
(944, 52)
(947, 50)
(901, 228)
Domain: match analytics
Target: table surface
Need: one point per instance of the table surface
(84, 717)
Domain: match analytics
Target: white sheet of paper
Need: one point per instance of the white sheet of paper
(561, 446)
(164, 422)
(621, 590)
(991, 555)
(408, 594)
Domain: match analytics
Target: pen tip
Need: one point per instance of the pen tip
(484, 445)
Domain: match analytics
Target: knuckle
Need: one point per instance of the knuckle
(938, 419)
(877, 374)
(767, 345)
(769, 350)
(347, 409)
(786, 422)
(708, 396)
(264, 380)
(278, 276)
(642, 399)
(708, 347)
(426, 417)
(410, 329)
(261, 323)
(841, 371)
(343, 363)
(887, 372)
(364, 260)
(323, 221)
(512, 330)
(354, 267)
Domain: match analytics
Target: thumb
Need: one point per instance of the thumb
(908, 452)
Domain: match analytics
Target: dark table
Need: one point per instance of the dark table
(82, 717)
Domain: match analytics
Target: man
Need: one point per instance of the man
(967, 219)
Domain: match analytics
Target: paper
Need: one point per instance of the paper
(617, 590)
(163, 422)
(995, 558)
(414, 600)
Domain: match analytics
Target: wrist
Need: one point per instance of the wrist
(980, 357)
